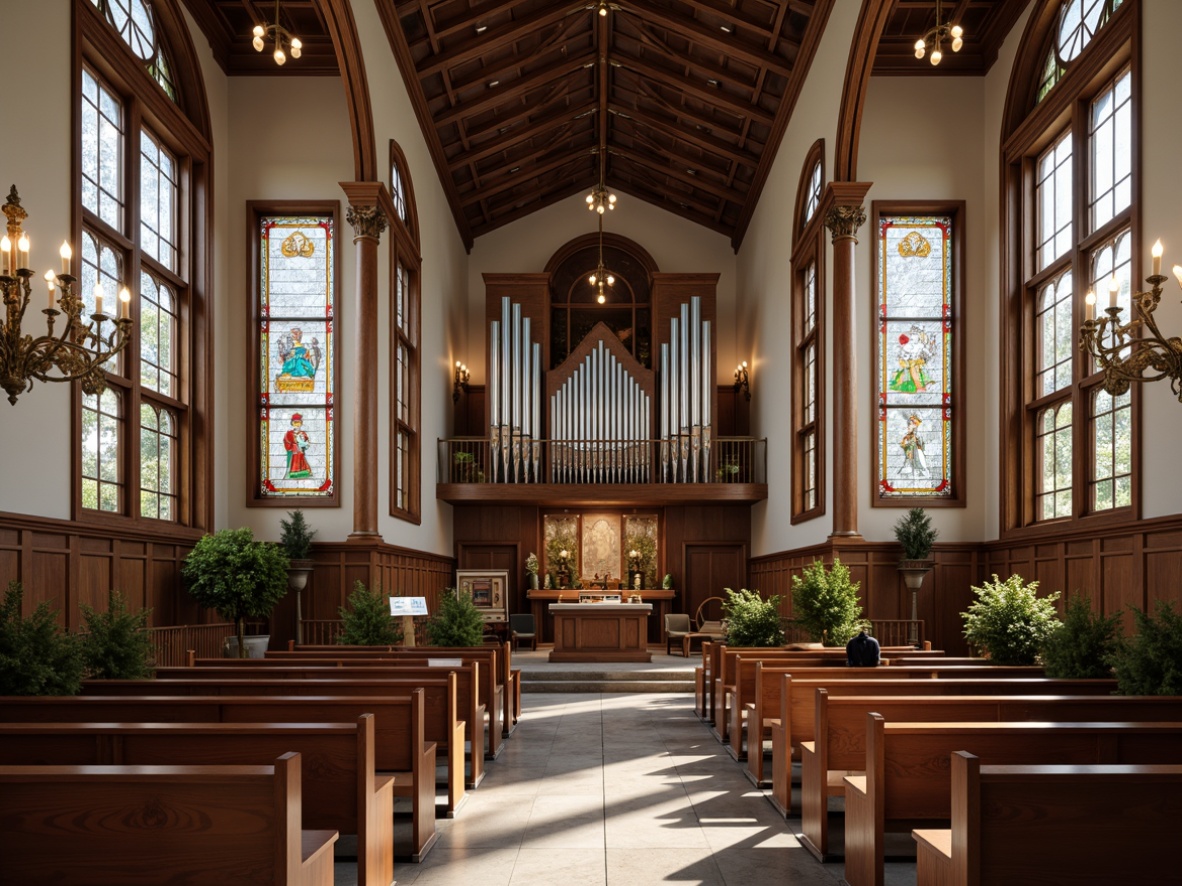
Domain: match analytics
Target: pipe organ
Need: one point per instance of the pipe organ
(514, 391)
(687, 392)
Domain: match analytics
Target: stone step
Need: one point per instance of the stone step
(607, 680)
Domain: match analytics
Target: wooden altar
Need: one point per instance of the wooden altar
(600, 631)
(661, 598)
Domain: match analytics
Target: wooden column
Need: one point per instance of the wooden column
(845, 214)
(368, 216)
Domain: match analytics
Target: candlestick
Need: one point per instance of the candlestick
(98, 298)
(1157, 251)
(1113, 291)
(49, 281)
(23, 246)
(66, 253)
(125, 300)
(1090, 304)
(5, 253)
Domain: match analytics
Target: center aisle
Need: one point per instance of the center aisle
(615, 789)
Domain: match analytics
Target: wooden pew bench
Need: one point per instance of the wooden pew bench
(400, 748)
(1053, 825)
(908, 777)
(338, 771)
(839, 749)
(797, 703)
(127, 825)
(447, 692)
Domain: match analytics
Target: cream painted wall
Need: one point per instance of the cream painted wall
(764, 281)
(35, 453)
(676, 245)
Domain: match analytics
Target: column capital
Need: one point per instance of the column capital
(842, 207)
(370, 208)
(844, 221)
(367, 221)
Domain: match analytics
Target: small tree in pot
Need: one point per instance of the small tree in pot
(457, 623)
(367, 620)
(751, 620)
(825, 603)
(1010, 621)
(915, 533)
(237, 577)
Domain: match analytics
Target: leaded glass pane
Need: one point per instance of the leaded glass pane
(397, 192)
(101, 429)
(1053, 196)
(810, 471)
(1053, 336)
(814, 196)
(810, 383)
(102, 151)
(1053, 444)
(810, 297)
(296, 374)
(1111, 141)
(1113, 261)
(157, 475)
(1079, 21)
(1112, 451)
(159, 189)
(158, 330)
(915, 356)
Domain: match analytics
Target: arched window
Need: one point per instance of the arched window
(808, 336)
(1070, 453)
(405, 363)
(142, 223)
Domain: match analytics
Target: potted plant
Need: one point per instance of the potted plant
(531, 569)
(1150, 663)
(36, 656)
(1083, 645)
(237, 577)
(116, 644)
(367, 621)
(1009, 622)
(751, 620)
(915, 533)
(457, 623)
(825, 603)
(296, 539)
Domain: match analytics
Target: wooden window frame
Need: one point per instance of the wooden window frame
(256, 210)
(99, 48)
(955, 209)
(1066, 106)
(808, 250)
(405, 252)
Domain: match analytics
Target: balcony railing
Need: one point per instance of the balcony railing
(677, 460)
(173, 642)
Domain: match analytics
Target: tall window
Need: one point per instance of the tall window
(405, 480)
(1073, 173)
(141, 162)
(293, 346)
(917, 355)
(808, 253)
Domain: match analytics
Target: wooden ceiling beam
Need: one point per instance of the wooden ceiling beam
(692, 136)
(675, 170)
(486, 191)
(516, 136)
(642, 190)
(494, 38)
(471, 22)
(495, 69)
(514, 89)
(696, 32)
(714, 97)
(539, 201)
(728, 13)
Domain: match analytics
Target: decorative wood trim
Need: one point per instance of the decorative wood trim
(872, 21)
(584, 495)
(338, 21)
(615, 241)
(957, 210)
(256, 210)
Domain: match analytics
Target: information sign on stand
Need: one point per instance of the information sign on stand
(404, 609)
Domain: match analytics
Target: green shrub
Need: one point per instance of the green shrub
(1150, 662)
(367, 620)
(296, 538)
(457, 623)
(116, 644)
(36, 656)
(751, 620)
(1083, 645)
(825, 603)
(915, 533)
(1009, 621)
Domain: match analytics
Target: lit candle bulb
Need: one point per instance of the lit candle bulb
(6, 249)
(125, 302)
(23, 246)
(66, 253)
(98, 298)
(1113, 291)
(1178, 273)
(1157, 251)
(49, 282)
(1090, 304)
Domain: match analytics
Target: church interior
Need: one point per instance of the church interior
(631, 298)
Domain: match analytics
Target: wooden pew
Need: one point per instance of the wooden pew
(498, 660)
(400, 748)
(840, 745)
(445, 691)
(793, 703)
(1050, 825)
(908, 778)
(338, 770)
(125, 825)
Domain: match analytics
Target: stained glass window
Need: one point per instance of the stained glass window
(296, 375)
(915, 324)
(1079, 20)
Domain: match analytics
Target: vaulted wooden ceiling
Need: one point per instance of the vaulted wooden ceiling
(680, 103)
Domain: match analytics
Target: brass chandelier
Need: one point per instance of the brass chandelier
(278, 34)
(76, 353)
(1135, 351)
(934, 39)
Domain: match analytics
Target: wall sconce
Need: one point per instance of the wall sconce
(1126, 351)
(460, 382)
(742, 379)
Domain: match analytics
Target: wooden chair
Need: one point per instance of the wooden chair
(523, 627)
(705, 625)
(677, 626)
